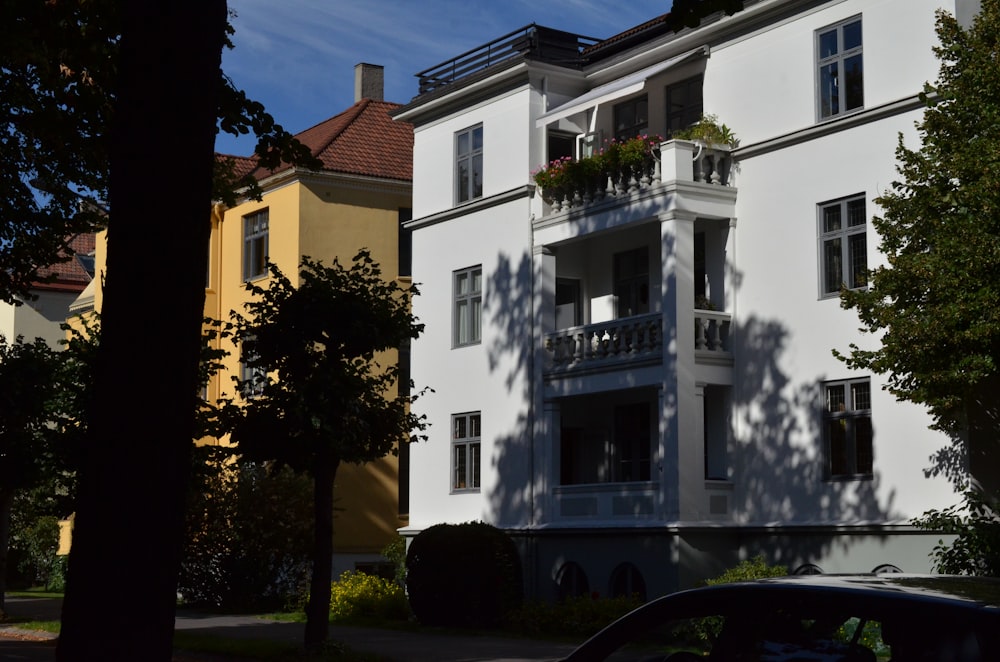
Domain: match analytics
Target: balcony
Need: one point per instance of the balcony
(599, 180)
(619, 342)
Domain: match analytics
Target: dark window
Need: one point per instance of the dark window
(632, 282)
(572, 581)
(405, 243)
(465, 445)
(255, 231)
(469, 164)
(840, 65)
(684, 104)
(631, 118)
(627, 581)
(847, 423)
(843, 246)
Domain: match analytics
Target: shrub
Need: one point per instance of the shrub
(708, 130)
(248, 535)
(395, 553)
(580, 616)
(463, 575)
(360, 595)
(707, 629)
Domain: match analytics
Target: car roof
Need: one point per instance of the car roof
(952, 589)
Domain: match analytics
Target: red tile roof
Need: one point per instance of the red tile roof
(69, 276)
(362, 140)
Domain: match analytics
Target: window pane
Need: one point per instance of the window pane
(477, 138)
(835, 402)
(858, 256)
(462, 144)
(861, 395)
(828, 96)
(833, 273)
(462, 283)
(856, 212)
(852, 35)
(460, 427)
(831, 218)
(477, 281)
(460, 467)
(475, 330)
(462, 321)
(836, 431)
(462, 185)
(863, 444)
(477, 175)
(474, 460)
(474, 426)
(854, 96)
(828, 44)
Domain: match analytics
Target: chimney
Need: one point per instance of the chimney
(368, 82)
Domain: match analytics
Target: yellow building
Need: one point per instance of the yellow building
(358, 200)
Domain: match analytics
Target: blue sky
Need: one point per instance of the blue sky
(297, 57)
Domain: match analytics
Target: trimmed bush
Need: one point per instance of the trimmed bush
(580, 616)
(360, 595)
(463, 575)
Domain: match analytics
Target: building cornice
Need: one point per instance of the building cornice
(471, 207)
(891, 109)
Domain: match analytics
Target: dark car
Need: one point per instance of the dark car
(814, 618)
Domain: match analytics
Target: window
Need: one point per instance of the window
(847, 426)
(631, 443)
(405, 243)
(840, 69)
(684, 104)
(252, 376)
(631, 118)
(843, 245)
(469, 164)
(255, 245)
(465, 451)
(627, 582)
(632, 282)
(572, 581)
(468, 306)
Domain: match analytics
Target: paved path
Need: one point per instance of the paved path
(398, 646)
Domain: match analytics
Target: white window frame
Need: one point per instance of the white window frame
(851, 413)
(837, 59)
(467, 310)
(469, 164)
(844, 244)
(466, 452)
(255, 244)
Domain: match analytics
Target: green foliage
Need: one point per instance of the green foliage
(395, 553)
(976, 525)
(463, 575)
(709, 131)
(359, 595)
(749, 569)
(707, 629)
(321, 390)
(580, 616)
(617, 159)
(39, 561)
(936, 305)
(248, 534)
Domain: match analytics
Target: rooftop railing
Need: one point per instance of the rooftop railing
(533, 41)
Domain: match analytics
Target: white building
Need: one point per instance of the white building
(628, 439)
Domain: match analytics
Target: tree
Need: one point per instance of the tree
(104, 99)
(321, 396)
(936, 303)
(27, 371)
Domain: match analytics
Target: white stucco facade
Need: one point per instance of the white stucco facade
(620, 436)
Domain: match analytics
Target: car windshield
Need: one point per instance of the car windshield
(771, 634)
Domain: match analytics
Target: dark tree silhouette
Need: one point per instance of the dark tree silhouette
(320, 394)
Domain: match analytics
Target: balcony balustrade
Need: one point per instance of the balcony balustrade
(593, 180)
(632, 337)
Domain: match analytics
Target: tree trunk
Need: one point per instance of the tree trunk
(318, 609)
(6, 506)
(125, 556)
